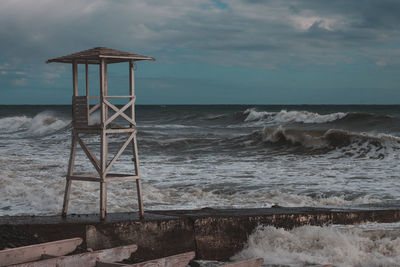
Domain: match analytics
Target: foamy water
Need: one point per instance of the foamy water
(212, 156)
(368, 244)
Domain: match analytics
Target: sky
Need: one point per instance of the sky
(207, 51)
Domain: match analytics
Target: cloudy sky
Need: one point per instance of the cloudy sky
(208, 51)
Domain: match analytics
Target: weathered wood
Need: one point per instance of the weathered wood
(80, 114)
(109, 264)
(138, 182)
(121, 130)
(82, 109)
(71, 165)
(35, 252)
(119, 112)
(132, 88)
(85, 178)
(108, 103)
(246, 263)
(86, 259)
(120, 151)
(102, 91)
(75, 77)
(93, 159)
(94, 108)
(120, 96)
(112, 178)
(180, 260)
(105, 93)
(103, 199)
(94, 55)
(87, 78)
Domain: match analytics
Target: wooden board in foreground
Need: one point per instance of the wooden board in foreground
(179, 260)
(88, 259)
(246, 263)
(35, 252)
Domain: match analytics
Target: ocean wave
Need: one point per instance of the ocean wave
(314, 245)
(355, 144)
(339, 143)
(285, 116)
(44, 123)
(13, 124)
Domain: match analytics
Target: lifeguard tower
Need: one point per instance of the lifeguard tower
(114, 120)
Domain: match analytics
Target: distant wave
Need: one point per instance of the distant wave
(307, 117)
(44, 123)
(356, 144)
(287, 140)
(13, 124)
(284, 116)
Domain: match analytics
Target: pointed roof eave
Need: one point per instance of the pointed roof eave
(94, 56)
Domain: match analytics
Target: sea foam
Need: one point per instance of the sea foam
(43, 123)
(308, 245)
(285, 116)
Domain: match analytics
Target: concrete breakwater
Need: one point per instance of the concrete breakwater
(214, 234)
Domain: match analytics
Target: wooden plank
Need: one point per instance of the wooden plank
(94, 108)
(121, 150)
(103, 199)
(120, 96)
(71, 165)
(75, 77)
(246, 263)
(109, 264)
(180, 260)
(132, 88)
(35, 252)
(86, 259)
(138, 182)
(117, 110)
(87, 78)
(126, 130)
(102, 91)
(122, 178)
(103, 184)
(85, 178)
(93, 159)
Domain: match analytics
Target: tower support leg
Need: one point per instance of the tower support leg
(71, 165)
(138, 180)
(103, 200)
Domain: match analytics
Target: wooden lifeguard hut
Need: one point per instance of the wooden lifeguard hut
(83, 108)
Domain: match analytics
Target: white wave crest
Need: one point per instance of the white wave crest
(13, 124)
(309, 245)
(45, 122)
(284, 116)
(254, 115)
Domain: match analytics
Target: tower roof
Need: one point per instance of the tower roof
(94, 55)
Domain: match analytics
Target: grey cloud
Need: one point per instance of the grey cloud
(268, 33)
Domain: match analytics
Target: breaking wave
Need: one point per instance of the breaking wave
(359, 144)
(284, 116)
(309, 245)
(288, 140)
(44, 123)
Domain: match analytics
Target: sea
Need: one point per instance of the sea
(226, 156)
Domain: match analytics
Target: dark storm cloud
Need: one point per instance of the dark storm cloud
(238, 32)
